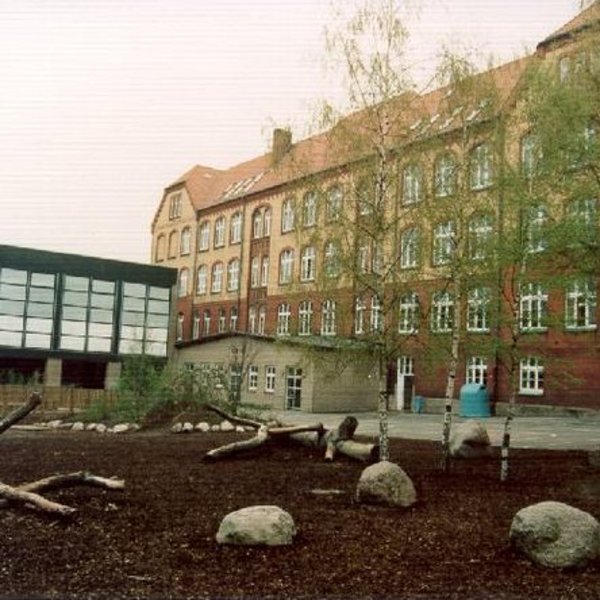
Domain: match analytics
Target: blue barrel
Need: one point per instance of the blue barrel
(474, 401)
(418, 404)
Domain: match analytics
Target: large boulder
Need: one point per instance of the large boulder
(553, 534)
(386, 483)
(257, 525)
(470, 440)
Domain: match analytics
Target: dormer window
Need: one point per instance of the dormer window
(175, 206)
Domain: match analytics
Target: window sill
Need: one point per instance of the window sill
(534, 329)
(582, 329)
(531, 392)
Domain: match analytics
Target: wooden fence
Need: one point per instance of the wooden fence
(54, 398)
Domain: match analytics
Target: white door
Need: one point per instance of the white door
(404, 383)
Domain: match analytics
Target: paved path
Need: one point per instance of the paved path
(527, 432)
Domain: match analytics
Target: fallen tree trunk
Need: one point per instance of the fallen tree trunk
(344, 431)
(29, 498)
(20, 413)
(258, 440)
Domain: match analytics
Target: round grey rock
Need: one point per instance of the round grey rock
(386, 483)
(257, 525)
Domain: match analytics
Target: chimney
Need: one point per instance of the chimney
(282, 142)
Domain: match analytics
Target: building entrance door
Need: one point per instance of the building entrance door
(293, 388)
(405, 383)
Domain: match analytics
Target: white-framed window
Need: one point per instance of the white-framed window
(252, 378)
(359, 316)
(267, 222)
(182, 283)
(233, 275)
(307, 264)
(531, 376)
(270, 378)
(445, 176)
(179, 328)
(233, 318)
(581, 303)
(206, 319)
(222, 321)
(175, 206)
(309, 209)
(283, 319)
(476, 370)
(262, 320)
(362, 257)
(202, 280)
(376, 315)
(583, 214)
(252, 314)
(257, 224)
(409, 314)
(481, 167)
(173, 238)
(564, 69)
(235, 228)
(409, 248)
(254, 271)
(333, 204)
(377, 258)
(196, 326)
(204, 236)
(406, 365)
(443, 243)
(216, 283)
(305, 313)
(530, 155)
(331, 259)
(412, 184)
(159, 253)
(264, 271)
(478, 309)
(480, 236)
(442, 312)
(535, 231)
(287, 215)
(364, 198)
(533, 307)
(185, 242)
(328, 317)
(286, 266)
(220, 232)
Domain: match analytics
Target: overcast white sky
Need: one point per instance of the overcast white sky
(103, 103)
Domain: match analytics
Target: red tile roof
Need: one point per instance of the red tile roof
(586, 18)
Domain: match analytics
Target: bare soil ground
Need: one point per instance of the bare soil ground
(157, 539)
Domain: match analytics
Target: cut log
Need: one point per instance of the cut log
(344, 431)
(258, 440)
(20, 413)
(234, 418)
(29, 498)
(359, 450)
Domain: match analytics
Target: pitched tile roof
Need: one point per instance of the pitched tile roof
(585, 19)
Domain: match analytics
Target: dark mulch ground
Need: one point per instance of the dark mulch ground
(157, 539)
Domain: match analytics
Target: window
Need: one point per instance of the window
(333, 205)
(270, 373)
(283, 319)
(408, 319)
(478, 304)
(233, 275)
(531, 376)
(443, 243)
(173, 244)
(442, 312)
(377, 259)
(175, 206)
(307, 264)
(535, 226)
(179, 330)
(412, 184)
(206, 319)
(252, 319)
(476, 370)
(582, 215)
(186, 241)
(564, 69)
(196, 326)
(159, 253)
(257, 224)
(480, 237)
(222, 322)
(328, 318)
(182, 283)
(409, 248)
(201, 280)
(267, 222)
(445, 176)
(286, 266)
(305, 312)
(264, 271)
(254, 271)
(580, 305)
(262, 320)
(217, 278)
(364, 199)
(362, 257)
(287, 216)
(533, 307)
(481, 167)
(530, 155)
(309, 210)
(359, 316)
(220, 232)
(252, 378)
(204, 236)
(235, 228)
(233, 318)
(376, 315)
(406, 366)
(331, 262)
